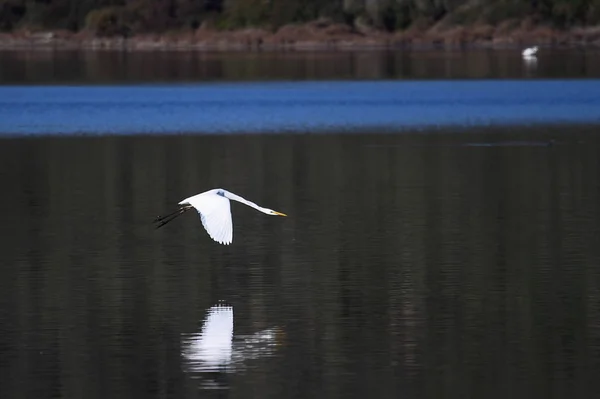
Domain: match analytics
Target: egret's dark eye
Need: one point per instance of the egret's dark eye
(221, 193)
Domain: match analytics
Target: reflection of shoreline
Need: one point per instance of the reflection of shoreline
(308, 37)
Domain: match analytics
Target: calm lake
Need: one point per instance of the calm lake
(447, 248)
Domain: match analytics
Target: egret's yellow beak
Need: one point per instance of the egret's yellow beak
(279, 213)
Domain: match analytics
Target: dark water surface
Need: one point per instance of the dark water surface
(410, 266)
(92, 67)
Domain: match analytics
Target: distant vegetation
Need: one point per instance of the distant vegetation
(129, 17)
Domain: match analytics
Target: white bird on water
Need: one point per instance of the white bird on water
(215, 212)
(530, 52)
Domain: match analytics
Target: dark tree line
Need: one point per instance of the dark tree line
(126, 17)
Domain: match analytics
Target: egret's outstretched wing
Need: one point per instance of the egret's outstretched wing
(215, 213)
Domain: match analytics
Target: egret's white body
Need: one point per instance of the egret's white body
(530, 52)
(215, 212)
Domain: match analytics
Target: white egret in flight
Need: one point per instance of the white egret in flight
(530, 52)
(215, 212)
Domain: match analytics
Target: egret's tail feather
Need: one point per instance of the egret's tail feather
(162, 220)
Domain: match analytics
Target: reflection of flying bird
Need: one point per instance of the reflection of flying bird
(530, 52)
(214, 348)
(215, 212)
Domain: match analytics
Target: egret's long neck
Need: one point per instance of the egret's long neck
(244, 201)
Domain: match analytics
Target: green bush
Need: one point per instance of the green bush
(565, 13)
(11, 12)
(247, 13)
(592, 15)
(397, 16)
(125, 17)
(506, 10)
(111, 21)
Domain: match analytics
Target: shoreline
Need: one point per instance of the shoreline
(540, 129)
(313, 36)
